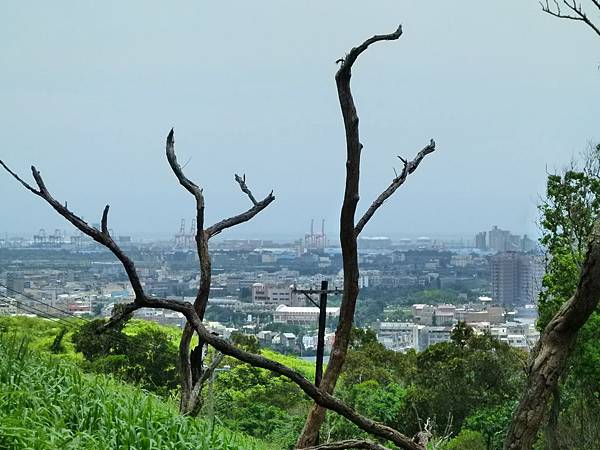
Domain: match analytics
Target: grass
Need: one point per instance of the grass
(48, 403)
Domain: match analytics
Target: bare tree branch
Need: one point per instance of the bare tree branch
(240, 218)
(245, 216)
(578, 14)
(242, 182)
(349, 444)
(20, 180)
(310, 433)
(189, 185)
(409, 167)
(104, 222)
(84, 227)
(350, 58)
(190, 312)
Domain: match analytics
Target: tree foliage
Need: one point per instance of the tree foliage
(567, 216)
(146, 358)
(568, 212)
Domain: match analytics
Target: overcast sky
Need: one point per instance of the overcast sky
(89, 91)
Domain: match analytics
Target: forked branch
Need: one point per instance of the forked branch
(97, 235)
(310, 433)
(257, 207)
(189, 185)
(409, 167)
(576, 13)
(322, 398)
(242, 182)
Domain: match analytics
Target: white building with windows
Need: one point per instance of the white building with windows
(301, 315)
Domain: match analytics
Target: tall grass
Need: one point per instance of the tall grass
(49, 404)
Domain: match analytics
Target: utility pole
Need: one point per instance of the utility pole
(322, 305)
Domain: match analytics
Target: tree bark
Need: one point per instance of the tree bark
(189, 310)
(349, 232)
(191, 361)
(549, 357)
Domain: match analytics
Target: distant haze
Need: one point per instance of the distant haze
(89, 91)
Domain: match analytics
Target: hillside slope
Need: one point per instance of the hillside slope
(48, 403)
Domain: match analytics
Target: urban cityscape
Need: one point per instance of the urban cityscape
(413, 291)
(300, 225)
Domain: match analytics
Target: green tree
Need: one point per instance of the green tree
(568, 212)
(454, 379)
(245, 341)
(94, 340)
(146, 358)
(467, 440)
(492, 423)
(567, 216)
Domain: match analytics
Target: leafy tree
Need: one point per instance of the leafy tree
(245, 341)
(284, 328)
(94, 340)
(454, 379)
(492, 423)
(462, 334)
(567, 216)
(368, 360)
(467, 440)
(259, 403)
(147, 358)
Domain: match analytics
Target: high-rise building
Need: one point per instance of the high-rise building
(480, 241)
(528, 245)
(516, 278)
(503, 240)
(498, 239)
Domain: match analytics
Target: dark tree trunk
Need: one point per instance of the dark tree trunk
(549, 357)
(349, 231)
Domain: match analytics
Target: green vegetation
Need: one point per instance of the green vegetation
(147, 356)
(47, 403)
(468, 386)
(567, 215)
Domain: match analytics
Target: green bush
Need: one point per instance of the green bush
(467, 440)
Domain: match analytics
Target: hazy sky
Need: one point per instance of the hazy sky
(89, 91)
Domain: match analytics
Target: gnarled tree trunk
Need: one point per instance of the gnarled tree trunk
(549, 357)
(349, 231)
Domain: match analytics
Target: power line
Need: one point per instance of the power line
(33, 310)
(122, 338)
(38, 301)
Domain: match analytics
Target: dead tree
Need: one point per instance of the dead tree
(350, 229)
(549, 357)
(190, 310)
(193, 312)
(572, 11)
(193, 372)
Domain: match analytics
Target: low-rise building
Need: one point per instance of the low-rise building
(301, 315)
